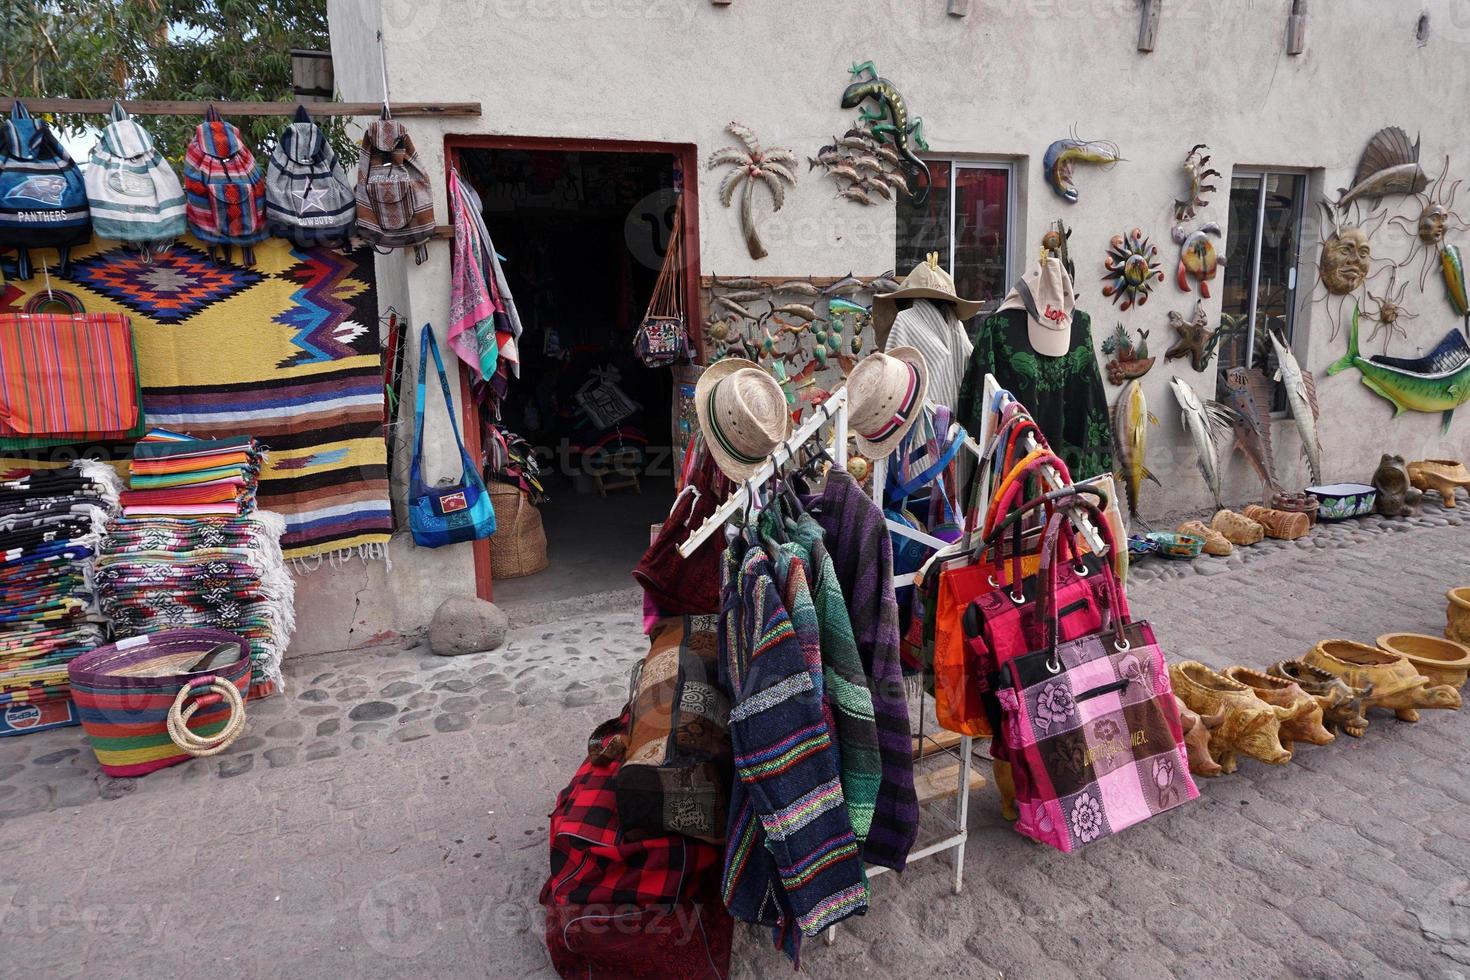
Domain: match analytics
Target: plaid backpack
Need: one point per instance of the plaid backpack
(225, 192)
(134, 194)
(307, 197)
(395, 205)
(43, 202)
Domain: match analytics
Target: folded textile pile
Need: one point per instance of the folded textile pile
(51, 523)
(156, 573)
(174, 475)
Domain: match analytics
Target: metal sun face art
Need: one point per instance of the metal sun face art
(1132, 269)
(1345, 262)
(1437, 219)
(1199, 259)
(776, 168)
(1390, 311)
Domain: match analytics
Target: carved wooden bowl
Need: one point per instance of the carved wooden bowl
(1457, 614)
(1442, 661)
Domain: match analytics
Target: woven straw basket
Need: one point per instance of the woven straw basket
(518, 546)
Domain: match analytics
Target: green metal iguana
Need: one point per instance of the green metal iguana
(890, 119)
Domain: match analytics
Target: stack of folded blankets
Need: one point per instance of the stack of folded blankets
(175, 559)
(174, 475)
(51, 526)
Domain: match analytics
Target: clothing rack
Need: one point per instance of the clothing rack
(834, 410)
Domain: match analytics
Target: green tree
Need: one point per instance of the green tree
(237, 50)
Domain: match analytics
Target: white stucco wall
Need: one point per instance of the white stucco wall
(1004, 81)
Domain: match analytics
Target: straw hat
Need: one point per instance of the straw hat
(1045, 293)
(926, 281)
(885, 398)
(742, 413)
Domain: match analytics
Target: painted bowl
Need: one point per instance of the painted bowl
(1343, 501)
(1457, 615)
(1442, 661)
(1172, 544)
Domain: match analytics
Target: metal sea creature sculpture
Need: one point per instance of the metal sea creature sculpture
(1197, 167)
(1437, 382)
(1064, 155)
(1132, 269)
(1301, 397)
(775, 168)
(1198, 257)
(1130, 418)
(1204, 421)
(1437, 218)
(859, 163)
(1248, 394)
(1195, 338)
(1390, 165)
(1453, 265)
(888, 119)
(1129, 360)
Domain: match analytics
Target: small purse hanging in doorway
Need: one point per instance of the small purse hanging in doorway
(662, 339)
(444, 515)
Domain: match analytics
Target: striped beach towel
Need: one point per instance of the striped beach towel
(67, 377)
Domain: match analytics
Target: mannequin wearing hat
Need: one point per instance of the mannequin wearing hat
(925, 314)
(1039, 347)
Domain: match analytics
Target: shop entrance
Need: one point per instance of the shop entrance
(582, 229)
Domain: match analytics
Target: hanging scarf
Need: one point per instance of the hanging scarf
(472, 308)
(508, 319)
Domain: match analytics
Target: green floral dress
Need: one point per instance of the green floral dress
(1064, 394)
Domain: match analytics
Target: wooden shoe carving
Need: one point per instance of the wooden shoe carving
(1197, 739)
(1305, 723)
(1250, 726)
(1442, 476)
(1342, 704)
(1397, 686)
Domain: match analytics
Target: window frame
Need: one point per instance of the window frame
(1012, 168)
(1261, 175)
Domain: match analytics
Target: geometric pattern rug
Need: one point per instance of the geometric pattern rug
(286, 350)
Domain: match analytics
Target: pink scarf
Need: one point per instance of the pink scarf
(472, 306)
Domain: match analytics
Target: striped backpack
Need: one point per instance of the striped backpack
(135, 195)
(43, 202)
(395, 205)
(225, 194)
(307, 197)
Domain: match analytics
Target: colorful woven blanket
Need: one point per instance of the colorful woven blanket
(286, 350)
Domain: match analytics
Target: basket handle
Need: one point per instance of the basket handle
(218, 690)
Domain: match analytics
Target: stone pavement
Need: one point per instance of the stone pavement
(388, 817)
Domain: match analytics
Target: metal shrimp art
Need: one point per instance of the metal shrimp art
(1132, 269)
(1199, 259)
(1063, 155)
(1197, 166)
(1390, 311)
(776, 168)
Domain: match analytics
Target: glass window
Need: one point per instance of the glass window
(1260, 258)
(967, 220)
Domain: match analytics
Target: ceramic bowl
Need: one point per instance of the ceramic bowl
(1457, 615)
(1442, 661)
(1172, 544)
(1342, 501)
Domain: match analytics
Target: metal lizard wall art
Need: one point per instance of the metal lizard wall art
(889, 120)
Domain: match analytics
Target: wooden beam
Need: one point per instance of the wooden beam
(1296, 28)
(151, 108)
(1148, 25)
(959, 8)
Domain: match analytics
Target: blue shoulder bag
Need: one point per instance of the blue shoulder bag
(444, 515)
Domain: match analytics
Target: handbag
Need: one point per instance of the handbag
(662, 339)
(444, 515)
(1089, 723)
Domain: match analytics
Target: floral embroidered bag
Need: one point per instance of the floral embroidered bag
(1089, 724)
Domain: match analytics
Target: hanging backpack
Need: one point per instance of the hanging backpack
(43, 203)
(225, 192)
(395, 205)
(307, 197)
(135, 195)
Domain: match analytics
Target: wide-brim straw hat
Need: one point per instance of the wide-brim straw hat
(743, 415)
(926, 281)
(885, 397)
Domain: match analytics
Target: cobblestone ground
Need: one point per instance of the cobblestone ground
(387, 817)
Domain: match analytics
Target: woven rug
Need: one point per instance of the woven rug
(285, 350)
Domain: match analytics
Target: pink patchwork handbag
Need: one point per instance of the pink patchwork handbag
(1089, 724)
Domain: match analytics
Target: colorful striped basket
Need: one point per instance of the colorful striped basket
(127, 691)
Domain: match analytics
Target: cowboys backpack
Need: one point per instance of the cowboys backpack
(43, 203)
(395, 205)
(307, 197)
(224, 192)
(135, 195)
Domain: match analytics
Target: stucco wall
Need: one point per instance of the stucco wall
(1004, 81)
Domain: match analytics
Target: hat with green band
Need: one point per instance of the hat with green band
(742, 413)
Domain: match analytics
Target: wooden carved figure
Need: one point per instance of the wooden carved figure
(1342, 704)
(1305, 723)
(1197, 739)
(1396, 496)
